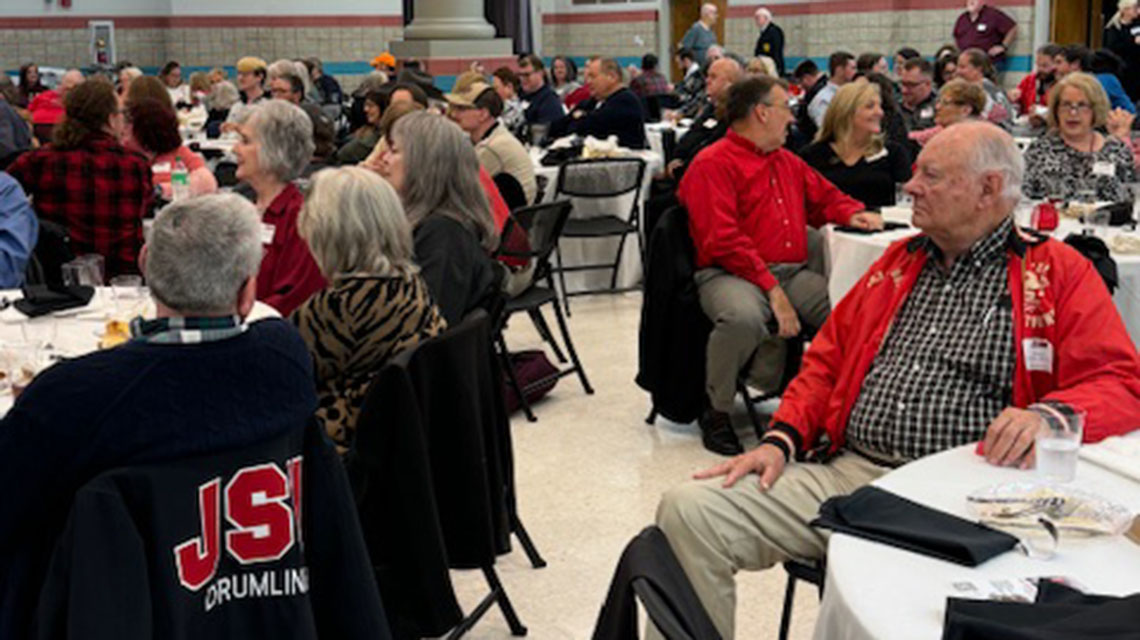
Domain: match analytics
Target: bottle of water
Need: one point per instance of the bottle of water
(179, 181)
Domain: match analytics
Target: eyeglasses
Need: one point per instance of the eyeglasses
(1076, 108)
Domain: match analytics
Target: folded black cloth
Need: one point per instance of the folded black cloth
(555, 157)
(1059, 613)
(41, 299)
(882, 516)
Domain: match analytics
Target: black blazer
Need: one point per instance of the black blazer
(619, 115)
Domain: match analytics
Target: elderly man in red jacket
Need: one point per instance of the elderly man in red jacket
(971, 331)
(750, 202)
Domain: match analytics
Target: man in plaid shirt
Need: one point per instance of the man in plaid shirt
(650, 82)
(974, 331)
(88, 182)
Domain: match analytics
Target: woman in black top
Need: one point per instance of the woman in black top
(849, 149)
(1122, 37)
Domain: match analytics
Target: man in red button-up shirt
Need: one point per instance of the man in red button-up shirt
(749, 202)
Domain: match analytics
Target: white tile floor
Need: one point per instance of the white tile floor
(589, 474)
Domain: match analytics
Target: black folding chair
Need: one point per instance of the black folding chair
(813, 573)
(597, 180)
(512, 192)
(53, 249)
(544, 224)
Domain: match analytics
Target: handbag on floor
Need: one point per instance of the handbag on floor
(536, 376)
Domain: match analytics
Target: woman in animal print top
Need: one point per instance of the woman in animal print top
(376, 304)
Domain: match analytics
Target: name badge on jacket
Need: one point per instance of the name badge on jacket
(267, 233)
(926, 113)
(1104, 168)
(1038, 354)
(982, 27)
(161, 167)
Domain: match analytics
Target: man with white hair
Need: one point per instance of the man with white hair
(973, 331)
(771, 40)
(701, 35)
(195, 380)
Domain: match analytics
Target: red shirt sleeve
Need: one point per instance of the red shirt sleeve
(192, 160)
(708, 191)
(499, 209)
(1028, 89)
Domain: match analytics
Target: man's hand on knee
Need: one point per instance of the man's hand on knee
(784, 311)
(767, 461)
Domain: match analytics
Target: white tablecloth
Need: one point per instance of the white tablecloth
(77, 331)
(878, 592)
(653, 133)
(850, 254)
(598, 250)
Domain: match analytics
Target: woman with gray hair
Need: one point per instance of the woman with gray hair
(376, 304)
(275, 147)
(432, 165)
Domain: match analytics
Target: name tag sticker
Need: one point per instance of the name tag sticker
(1104, 168)
(926, 113)
(162, 167)
(982, 27)
(267, 233)
(1038, 354)
(710, 123)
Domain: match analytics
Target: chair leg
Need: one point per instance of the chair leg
(652, 417)
(573, 352)
(617, 261)
(512, 379)
(527, 544)
(561, 280)
(753, 415)
(543, 329)
(789, 600)
(516, 626)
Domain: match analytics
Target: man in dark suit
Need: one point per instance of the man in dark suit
(611, 110)
(771, 40)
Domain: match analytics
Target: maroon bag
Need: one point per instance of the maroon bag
(534, 370)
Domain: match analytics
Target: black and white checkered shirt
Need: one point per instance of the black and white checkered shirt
(945, 369)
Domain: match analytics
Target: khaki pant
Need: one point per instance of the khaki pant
(740, 313)
(716, 532)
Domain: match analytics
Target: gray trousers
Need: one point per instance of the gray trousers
(740, 313)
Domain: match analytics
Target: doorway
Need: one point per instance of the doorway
(1080, 21)
(682, 15)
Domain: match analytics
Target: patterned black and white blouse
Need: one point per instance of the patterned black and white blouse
(1054, 168)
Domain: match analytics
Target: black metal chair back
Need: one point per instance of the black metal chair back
(543, 224)
(511, 190)
(601, 178)
(53, 248)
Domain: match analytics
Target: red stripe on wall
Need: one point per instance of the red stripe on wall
(861, 6)
(600, 17)
(204, 22)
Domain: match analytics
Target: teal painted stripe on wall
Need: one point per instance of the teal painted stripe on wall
(1012, 63)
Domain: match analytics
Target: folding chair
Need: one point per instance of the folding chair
(597, 180)
(544, 224)
(813, 573)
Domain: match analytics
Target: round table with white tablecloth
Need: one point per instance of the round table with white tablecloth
(878, 592)
(577, 251)
(850, 254)
(77, 331)
(654, 132)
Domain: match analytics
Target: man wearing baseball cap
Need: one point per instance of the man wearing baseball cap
(476, 110)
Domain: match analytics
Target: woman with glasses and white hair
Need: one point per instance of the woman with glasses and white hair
(432, 165)
(1074, 159)
(376, 304)
(275, 147)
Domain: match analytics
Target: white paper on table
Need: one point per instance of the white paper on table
(1119, 454)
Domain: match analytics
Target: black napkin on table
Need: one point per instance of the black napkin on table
(1059, 613)
(888, 225)
(882, 516)
(41, 299)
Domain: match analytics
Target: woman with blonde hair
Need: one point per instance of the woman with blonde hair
(376, 303)
(762, 65)
(957, 101)
(1073, 158)
(850, 151)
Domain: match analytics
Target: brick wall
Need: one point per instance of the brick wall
(624, 35)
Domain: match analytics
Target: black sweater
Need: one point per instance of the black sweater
(619, 115)
(871, 182)
(457, 270)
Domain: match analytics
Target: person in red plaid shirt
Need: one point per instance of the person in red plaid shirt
(650, 82)
(88, 182)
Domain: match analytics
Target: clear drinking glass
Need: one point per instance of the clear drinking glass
(1057, 444)
(128, 293)
(84, 270)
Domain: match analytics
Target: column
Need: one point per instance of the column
(450, 29)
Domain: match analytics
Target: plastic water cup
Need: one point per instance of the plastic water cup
(1057, 445)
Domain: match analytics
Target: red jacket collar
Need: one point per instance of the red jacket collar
(747, 144)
